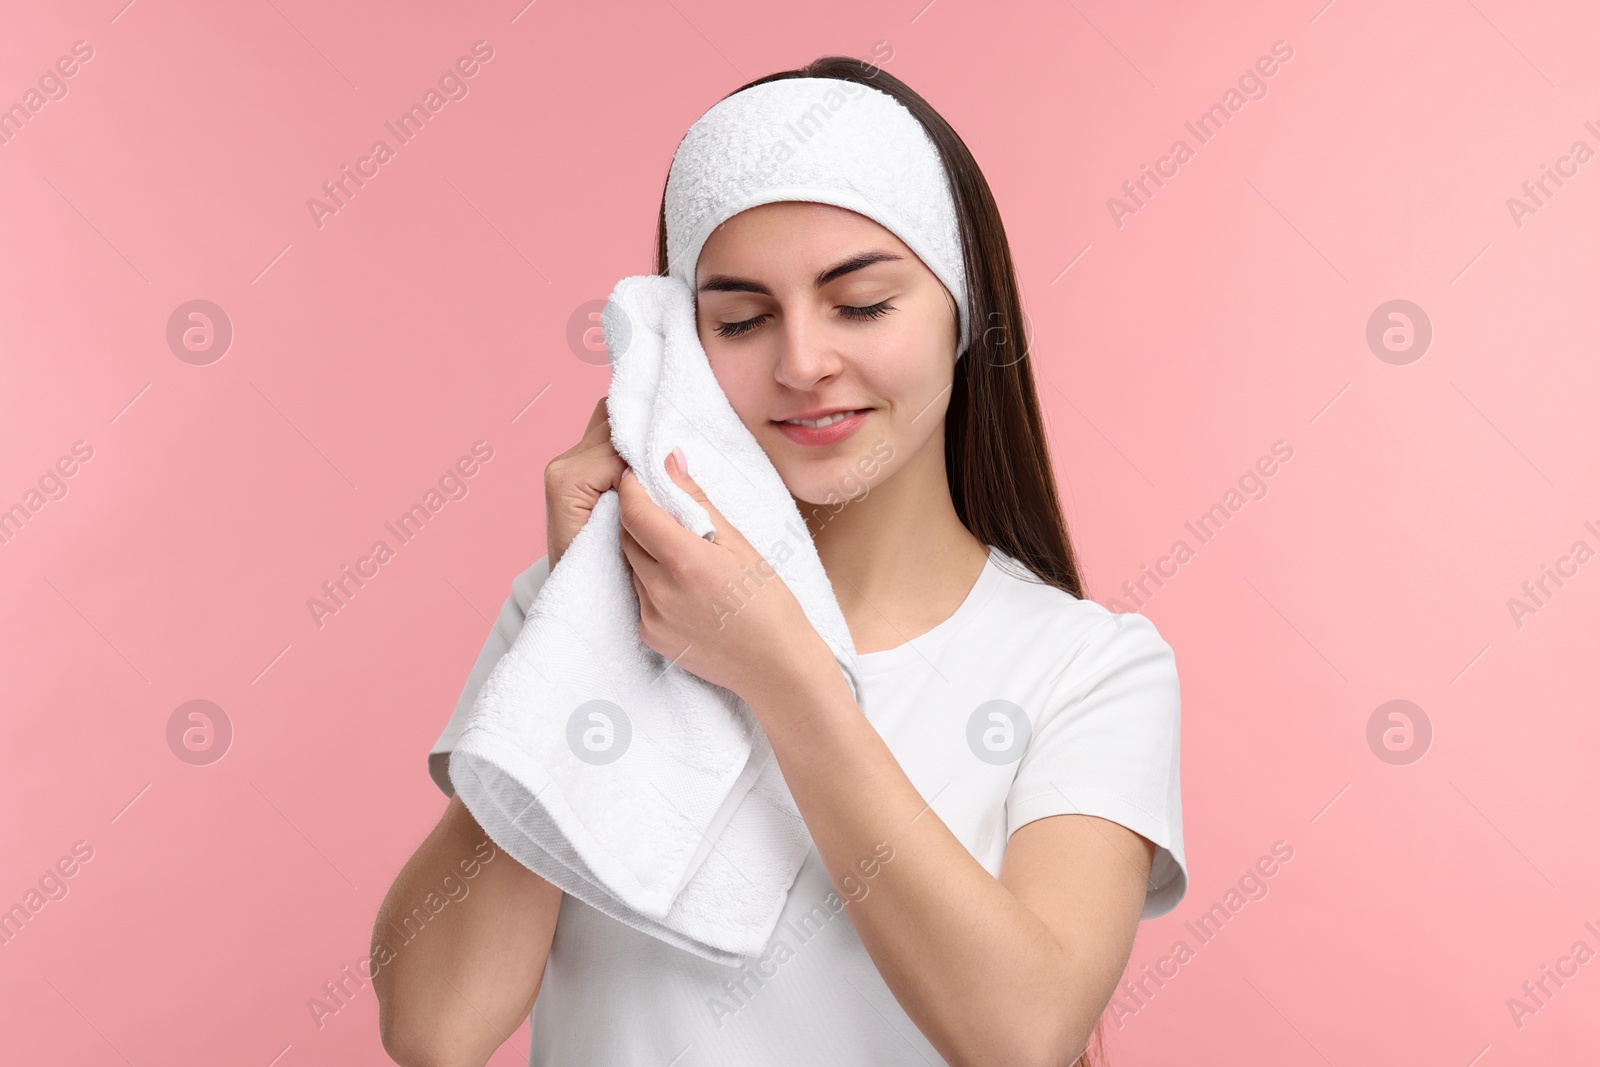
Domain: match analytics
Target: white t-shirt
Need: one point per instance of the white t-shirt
(1027, 702)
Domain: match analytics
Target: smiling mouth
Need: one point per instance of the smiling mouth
(826, 420)
(824, 431)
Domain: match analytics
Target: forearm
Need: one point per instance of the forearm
(459, 947)
(992, 985)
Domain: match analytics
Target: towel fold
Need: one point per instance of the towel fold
(628, 782)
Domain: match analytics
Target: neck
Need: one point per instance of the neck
(898, 554)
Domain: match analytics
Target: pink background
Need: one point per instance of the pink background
(1228, 313)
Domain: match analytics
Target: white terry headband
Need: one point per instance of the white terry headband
(824, 140)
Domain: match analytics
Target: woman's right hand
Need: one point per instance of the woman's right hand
(574, 481)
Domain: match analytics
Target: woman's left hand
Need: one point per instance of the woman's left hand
(717, 609)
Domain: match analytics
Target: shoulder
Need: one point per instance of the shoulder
(1058, 627)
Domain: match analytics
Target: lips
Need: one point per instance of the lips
(833, 414)
(819, 436)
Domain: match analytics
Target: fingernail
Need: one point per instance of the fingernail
(683, 464)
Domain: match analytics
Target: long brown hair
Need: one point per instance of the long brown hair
(995, 451)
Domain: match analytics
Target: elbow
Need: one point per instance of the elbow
(401, 1043)
(1072, 1056)
(1066, 1050)
(1053, 1054)
(401, 1049)
(1062, 1045)
(1049, 1030)
(407, 1048)
(410, 1041)
(1031, 1049)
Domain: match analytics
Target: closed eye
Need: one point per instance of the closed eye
(859, 314)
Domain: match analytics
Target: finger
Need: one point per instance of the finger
(639, 591)
(639, 561)
(684, 481)
(636, 557)
(597, 416)
(597, 435)
(616, 467)
(600, 468)
(658, 534)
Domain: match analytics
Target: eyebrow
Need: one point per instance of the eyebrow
(727, 283)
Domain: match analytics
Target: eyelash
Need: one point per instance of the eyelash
(862, 314)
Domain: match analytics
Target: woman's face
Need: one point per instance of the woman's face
(806, 310)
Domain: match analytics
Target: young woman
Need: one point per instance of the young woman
(995, 817)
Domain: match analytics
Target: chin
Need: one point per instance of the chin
(831, 481)
(818, 488)
(802, 491)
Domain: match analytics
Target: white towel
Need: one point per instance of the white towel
(691, 834)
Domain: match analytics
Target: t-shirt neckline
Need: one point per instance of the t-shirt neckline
(926, 645)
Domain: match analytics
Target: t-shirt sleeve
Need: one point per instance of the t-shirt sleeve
(1107, 745)
(513, 613)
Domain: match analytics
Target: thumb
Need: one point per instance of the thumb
(678, 470)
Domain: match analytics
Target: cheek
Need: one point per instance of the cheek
(743, 387)
(916, 369)
(916, 382)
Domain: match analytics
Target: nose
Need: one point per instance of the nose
(806, 354)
